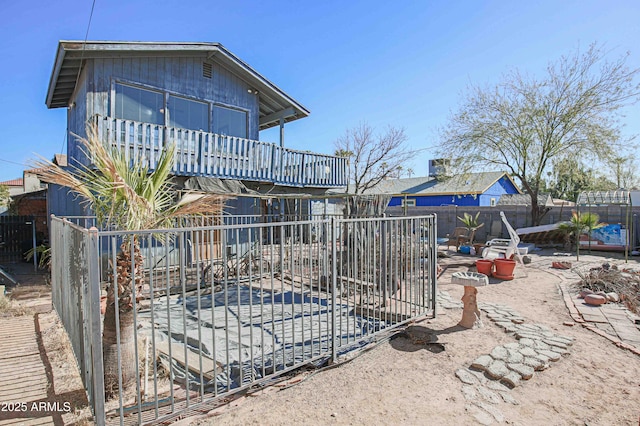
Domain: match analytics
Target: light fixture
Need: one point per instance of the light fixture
(252, 91)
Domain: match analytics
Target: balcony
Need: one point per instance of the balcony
(201, 153)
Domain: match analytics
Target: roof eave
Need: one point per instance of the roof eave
(215, 51)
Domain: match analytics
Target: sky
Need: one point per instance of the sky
(405, 64)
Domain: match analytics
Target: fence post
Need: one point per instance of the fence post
(433, 264)
(93, 287)
(334, 281)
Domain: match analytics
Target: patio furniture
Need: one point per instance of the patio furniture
(460, 235)
(501, 247)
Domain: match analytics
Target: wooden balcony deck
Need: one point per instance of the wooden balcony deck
(208, 154)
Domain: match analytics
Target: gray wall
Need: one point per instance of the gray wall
(518, 217)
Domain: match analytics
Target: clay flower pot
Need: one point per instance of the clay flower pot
(504, 268)
(103, 304)
(484, 266)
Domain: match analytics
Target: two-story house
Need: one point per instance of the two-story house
(201, 97)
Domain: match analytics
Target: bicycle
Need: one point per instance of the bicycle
(234, 268)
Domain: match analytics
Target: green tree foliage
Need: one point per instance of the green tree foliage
(524, 123)
(569, 177)
(5, 199)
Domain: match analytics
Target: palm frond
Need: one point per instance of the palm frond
(124, 194)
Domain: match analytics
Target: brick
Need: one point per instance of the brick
(524, 371)
(497, 369)
(466, 376)
(482, 362)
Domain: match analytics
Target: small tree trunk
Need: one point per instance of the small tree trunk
(125, 279)
(110, 350)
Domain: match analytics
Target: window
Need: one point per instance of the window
(408, 202)
(188, 114)
(492, 202)
(230, 122)
(148, 106)
(137, 104)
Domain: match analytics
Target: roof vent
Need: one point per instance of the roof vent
(207, 69)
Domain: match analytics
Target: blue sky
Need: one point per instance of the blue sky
(405, 64)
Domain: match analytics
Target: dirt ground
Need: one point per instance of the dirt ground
(398, 382)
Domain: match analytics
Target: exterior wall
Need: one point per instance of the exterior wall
(31, 182)
(176, 75)
(36, 206)
(499, 188)
(438, 200)
(61, 203)
(77, 116)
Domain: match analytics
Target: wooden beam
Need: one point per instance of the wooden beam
(285, 113)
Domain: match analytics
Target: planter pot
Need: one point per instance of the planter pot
(484, 266)
(103, 304)
(504, 269)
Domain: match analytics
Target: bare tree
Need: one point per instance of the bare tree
(525, 123)
(373, 157)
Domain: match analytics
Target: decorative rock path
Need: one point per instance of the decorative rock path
(489, 378)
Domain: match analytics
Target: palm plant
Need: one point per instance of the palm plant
(580, 223)
(471, 223)
(125, 196)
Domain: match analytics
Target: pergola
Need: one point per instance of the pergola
(620, 198)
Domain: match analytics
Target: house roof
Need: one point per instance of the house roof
(471, 183)
(60, 160)
(13, 182)
(524, 200)
(274, 103)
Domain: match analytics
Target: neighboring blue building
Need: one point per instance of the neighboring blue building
(200, 96)
(473, 189)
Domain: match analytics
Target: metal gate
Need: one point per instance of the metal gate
(277, 297)
(16, 237)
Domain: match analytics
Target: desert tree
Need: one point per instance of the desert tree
(126, 196)
(624, 171)
(524, 123)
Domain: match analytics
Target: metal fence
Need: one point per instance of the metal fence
(223, 308)
(75, 292)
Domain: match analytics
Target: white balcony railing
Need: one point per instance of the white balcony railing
(208, 154)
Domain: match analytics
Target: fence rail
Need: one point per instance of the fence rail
(221, 308)
(201, 153)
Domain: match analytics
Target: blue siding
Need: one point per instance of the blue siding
(176, 75)
(502, 186)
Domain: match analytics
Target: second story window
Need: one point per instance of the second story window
(229, 122)
(188, 114)
(137, 104)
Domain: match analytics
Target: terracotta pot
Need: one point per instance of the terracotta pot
(484, 266)
(103, 304)
(504, 268)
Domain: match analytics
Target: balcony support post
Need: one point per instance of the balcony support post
(281, 132)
